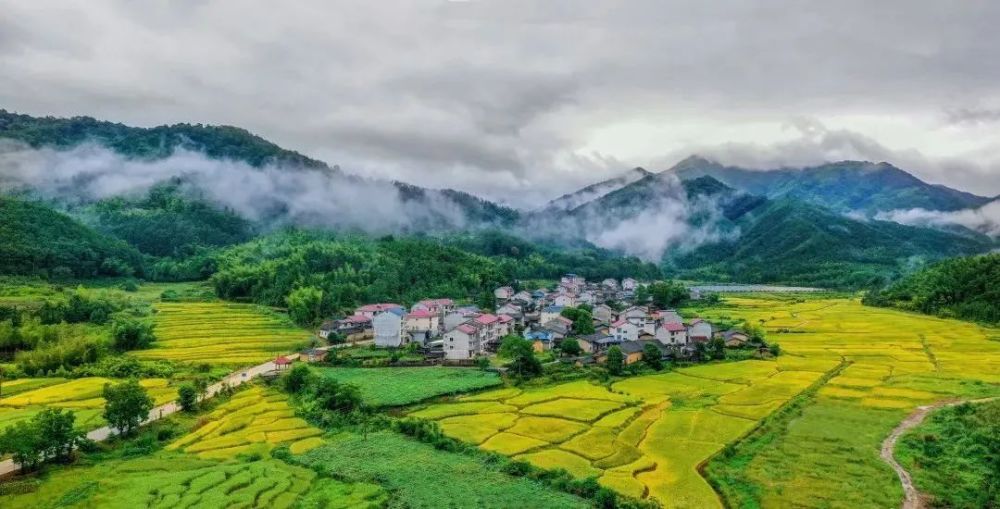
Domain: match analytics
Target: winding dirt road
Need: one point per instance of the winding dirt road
(912, 498)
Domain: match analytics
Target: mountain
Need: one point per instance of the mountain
(845, 186)
(38, 241)
(594, 191)
(419, 209)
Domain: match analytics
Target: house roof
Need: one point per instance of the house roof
(565, 320)
(504, 318)
(696, 321)
(674, 327)
(282, 361)
(632, 346)
(466, 328)
(375, 308)
(357, 319)
(486, 319)
(421, 313)
(553, 309)
(620, 323)
(540, 335)
(437, 302)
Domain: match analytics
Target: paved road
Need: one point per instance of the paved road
(912, 498)
(232, 380)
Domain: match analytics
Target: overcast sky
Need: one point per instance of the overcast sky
(523, 101)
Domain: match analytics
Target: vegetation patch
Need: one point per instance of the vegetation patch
(403, 386)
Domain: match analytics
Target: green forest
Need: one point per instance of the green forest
(964, 287)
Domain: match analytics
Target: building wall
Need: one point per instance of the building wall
(388, 329)
(459, 345)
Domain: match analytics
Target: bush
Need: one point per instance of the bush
(131, 334)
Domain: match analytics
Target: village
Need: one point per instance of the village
(460, 334)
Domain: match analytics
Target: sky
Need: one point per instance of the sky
(522, 101)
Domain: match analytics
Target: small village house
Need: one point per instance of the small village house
(388, 327)
(370, 310)
(436, 306)
(734, 338)
(603, 313)
(699, 331)
(672, 333)
(313, 355)
(624, 330)
(503, 293)
(463, 342)
(564, 300)
(422, 322)
(629, 284)
(550, 313)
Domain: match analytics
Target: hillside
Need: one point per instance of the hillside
(36, 240)
(964, 287)
(592, 192)
(845, 186)
(793, 242)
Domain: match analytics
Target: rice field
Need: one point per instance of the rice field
(642, 436)
(827, 456)
(170, 480)
(253, 421)
(382, 387)
(23, 398)
(221, 333)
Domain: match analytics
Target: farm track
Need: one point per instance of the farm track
(912, 498)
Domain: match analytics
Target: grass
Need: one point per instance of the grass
(382, 387)
(253, 421)
(219, 333)
(420, 476)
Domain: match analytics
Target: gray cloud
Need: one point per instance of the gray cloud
(985, 219)
(509, 99)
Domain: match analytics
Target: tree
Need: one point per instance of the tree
(571, 347)
(305, 305)
(652, 357)
(56, 428)
(521, 353)
(583, 320)
(668, 294)
(775, 349)
(131, 334)
(23, 442)
(297, 379)
(187, 397)
(615, 361)
(717, 348)
(127, 405)
(756, 334)
(335, 396)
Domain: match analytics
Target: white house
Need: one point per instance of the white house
(489, 327)
(505, 325)
(603, 313)
(564, 300)
(572, 279)
(669, 315)
(423, 321)
(699, 331)
(462, 342)
(522, 297)
(503, 293)
(550, 313)
(388, 327)
(672, 333)
(456, 318)
(624, 330)
(628, 284)
(610, 284)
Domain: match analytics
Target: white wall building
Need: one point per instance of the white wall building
(388, 326)
(623, 330)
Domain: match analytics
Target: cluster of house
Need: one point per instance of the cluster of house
(466, 332)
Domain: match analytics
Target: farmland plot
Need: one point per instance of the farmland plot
(220, 333)
(169, 480)
(828, 456)
(253, 421)
(402, 386)
(644, 437)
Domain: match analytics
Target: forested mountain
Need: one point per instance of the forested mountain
(594, 191)
(36, 240)
(845, 186)
(964, 287)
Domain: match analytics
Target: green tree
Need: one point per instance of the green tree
(717, 348)
(24, 442)
(127, 405)
(56, 427)
(668, 294)
(652, 357)
(131, 334)
(297, 379)
(334, 396)
(570, 347)
(775, 349)
(305, 305)
(187, 397)
(615, 361)
(521, 353)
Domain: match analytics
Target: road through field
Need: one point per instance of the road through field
(912, 498)
(234, 379)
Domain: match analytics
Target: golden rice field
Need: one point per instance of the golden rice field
(82, 395)
(253, 421)
(220, 333)
(643, 436)
(646, 436)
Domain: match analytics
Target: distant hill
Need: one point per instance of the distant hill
(36, 240)
(965, 287)
(846, 186)
(594, 191)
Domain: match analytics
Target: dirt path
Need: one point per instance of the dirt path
(912, 498)
(235, 378)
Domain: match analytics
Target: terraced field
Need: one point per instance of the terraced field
(643, 436)
(23, 398)
(221, 333)
(171, 480)
(253, 421)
